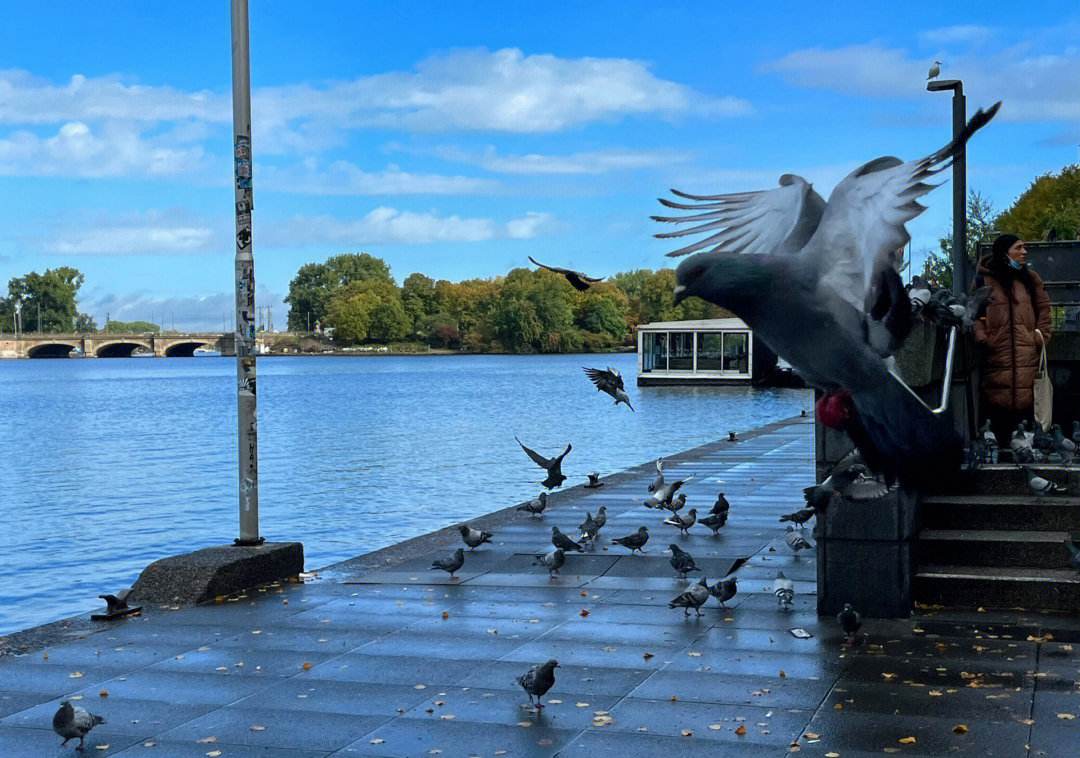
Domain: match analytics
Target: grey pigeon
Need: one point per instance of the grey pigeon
(677, 503)
(724, 590)
(721, 505)
(1042, 440)
(589, 529)
(578, 280)
(798, 271)
(611, 382)
(474, 538)
(538, 680)
(71, 722)
(784, 589)
(635, 541)
(683, 522)
(658, 482)
(451, 564)
(601, 517)
(694, 597)
(799, 517)
(1019, 440)
(681, 560)
(1040, 486)
(1062, 444)
(664, 494)
(561, 541)
(1076, 432)
(594, 481)
(850, 479)
(552, 561)
(796, 541)
(714, 521)
(536, 507)
(553, 466)
(849, 621)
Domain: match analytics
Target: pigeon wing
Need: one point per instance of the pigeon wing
(605, 381)
(540, 460)
(779, 220)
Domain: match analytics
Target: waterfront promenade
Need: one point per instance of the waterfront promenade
(379, 656)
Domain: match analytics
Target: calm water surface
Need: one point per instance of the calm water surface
(109, 464)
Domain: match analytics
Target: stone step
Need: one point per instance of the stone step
(1009, 479)
(993, 547)
(1011, 512)
(1001, 587)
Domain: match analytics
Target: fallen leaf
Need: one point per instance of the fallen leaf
(584, 593)
(888, 676)
(812, 736)
(524, 724)
(686, 733)
(445, 615)
(102, 748)
(582, 705)
(553, 701)
(207, 740)
(75, 675)
(584, 613)
(960, 729)
(647, 656)
(103, 693)
(1066, 716)
(213, 754)
(419, 686)
(716, 727)
(694, 654)
(306, 666)
(935, 693)
(674, 698)
(378, 741)
(448, 717)
(832, 755)
(783, 674)
(838, 706)
(907, 740)
(149, 743)
(257, 728)
(740, 729)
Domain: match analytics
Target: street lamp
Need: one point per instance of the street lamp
(960, 263)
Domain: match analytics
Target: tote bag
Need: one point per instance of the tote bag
(1044, 394)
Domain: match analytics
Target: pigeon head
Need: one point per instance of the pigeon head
(725, 279)
(674, 548)
(550, 664)
(847, 607)
(702, 582)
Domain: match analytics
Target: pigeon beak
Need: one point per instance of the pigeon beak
(680, 293)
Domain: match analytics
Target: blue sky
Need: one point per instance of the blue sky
(456, 139)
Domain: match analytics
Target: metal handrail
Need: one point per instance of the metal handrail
(946, 387)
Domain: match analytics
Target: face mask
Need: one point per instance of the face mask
(1015, 264)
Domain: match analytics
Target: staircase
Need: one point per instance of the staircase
(988, 542)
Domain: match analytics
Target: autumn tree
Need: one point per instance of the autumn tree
(1050, 207)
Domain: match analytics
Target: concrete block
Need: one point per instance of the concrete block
(205, 574)
(874, 576)
(891, 517)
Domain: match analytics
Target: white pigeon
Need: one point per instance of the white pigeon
(1040, 486)
(796, 541)
(934, 72)
(801, 273)
(784, 589)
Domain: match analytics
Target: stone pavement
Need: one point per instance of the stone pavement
(383, 657)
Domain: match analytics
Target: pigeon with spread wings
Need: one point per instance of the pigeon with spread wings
(553, 466)
(799, 271)
(580, 281)
(611, 382)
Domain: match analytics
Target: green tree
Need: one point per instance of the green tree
(418, 296)
(981, 227)
(1050, 204)
(367, 309)
(85, 324)
(52, 295)
(311, 290)
(131, 327)
(602, 310)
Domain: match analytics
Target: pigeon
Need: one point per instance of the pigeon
(451, 564)
(553, 466)
(720, 506)
(594, 480)
(589, 529)
(1020, 440)
(538, 680)
(553, 561)
(1040, 486)
(536, 507)
(784, 589)
(676, 504)
(799, 517)
(849, 621)
(1074, 551)
(850, 479)
(934, 72)
(580, 281)
(1063, 444)
(714, 521)
(561, 541)
(987, 432)
(601, 517)
(663, 494)
(682, 561)
(796, 541)
(694, 597)
(658, 482)
(611, 382)
(71, 722)
(635, 541)
(1042, 440)
(683, 522)
(724, 590)
(798, 271)
(1076, 432)
(474, 538)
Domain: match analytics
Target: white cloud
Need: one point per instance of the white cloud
(385, 225)
(957, 34)
(152, 233)
(590, 162)
(854, 70)
(345, 178)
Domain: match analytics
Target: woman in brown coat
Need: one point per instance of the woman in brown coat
(1013, 330)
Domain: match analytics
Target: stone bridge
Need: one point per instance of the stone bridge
(113, 345)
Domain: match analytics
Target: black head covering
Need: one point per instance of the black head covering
(1002, 245)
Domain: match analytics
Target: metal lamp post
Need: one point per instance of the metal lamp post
(961, 273)
(247, 429)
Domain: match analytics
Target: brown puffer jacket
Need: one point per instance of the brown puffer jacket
(1007, 330)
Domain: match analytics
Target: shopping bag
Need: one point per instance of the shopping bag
(1044, 394)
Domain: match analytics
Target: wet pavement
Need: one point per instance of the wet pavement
(398, 660)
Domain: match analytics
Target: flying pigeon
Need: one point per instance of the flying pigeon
(724, 590)
(714, 521)
(72, 721)
(694, 597)
(798, 271)
(474, 538)
(658, 482)
(594, 480)
(552, 561)
(561, 541)
(850, 622)
(796, 541)
(850, 479)
(784, 589)
(611, 382)
(451, 564)
(934, 72)
(721, 505)
(580, 281)
(635, 541)
(799, 517)
(663, 494)
(538, 680)
(536, 507)
(1041, 486)
(553, 466)
(681, 560)
(683, 522)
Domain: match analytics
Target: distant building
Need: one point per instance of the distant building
(710, 351)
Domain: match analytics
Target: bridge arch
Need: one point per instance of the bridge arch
(51, 350)
(184, 349)
(119, 349)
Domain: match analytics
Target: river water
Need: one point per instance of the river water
(109, 464)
